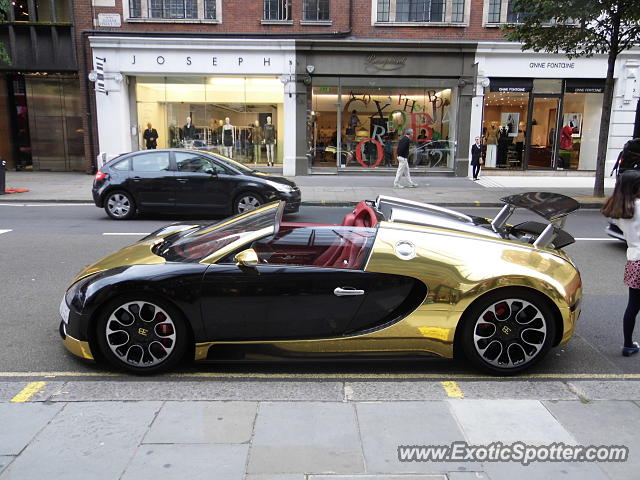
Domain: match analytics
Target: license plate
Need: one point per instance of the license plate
(64, 311)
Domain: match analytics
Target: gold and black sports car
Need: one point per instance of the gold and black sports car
(396, 278)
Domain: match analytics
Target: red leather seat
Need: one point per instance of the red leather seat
(362, 216)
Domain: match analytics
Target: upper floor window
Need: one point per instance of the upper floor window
(502, 11)
(422, 11)
(174, 9)
(278, 10)
(315, 10)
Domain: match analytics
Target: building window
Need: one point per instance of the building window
(502, 11)
(420, 11)
(279, 10)
(315, 10)
(174, 9)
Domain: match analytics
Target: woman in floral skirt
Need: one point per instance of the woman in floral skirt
(624, 207)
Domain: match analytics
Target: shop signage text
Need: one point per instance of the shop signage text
(385, 63)
(188, 60)
(553, 65)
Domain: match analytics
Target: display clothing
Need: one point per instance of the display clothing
(188, 131)
(227, 135)
(269, 133)
(566, 141)
(151, 138)
(504, 140)
(492, 136)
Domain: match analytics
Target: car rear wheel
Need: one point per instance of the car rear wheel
(508, 331)
(119, 205)
(246, 202)
(141, 335)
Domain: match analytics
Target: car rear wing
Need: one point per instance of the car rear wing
(553, 207)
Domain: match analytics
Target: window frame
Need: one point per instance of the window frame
(287, 6)
(316, 20)
(447, 21)
(146, 18)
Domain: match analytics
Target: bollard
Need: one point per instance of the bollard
(3, 171)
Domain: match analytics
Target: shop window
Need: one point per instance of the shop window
(420, 11)
(504, 129)
(174, 9)
(364, 132)
(239, 117)
(315, 10)
(277, 10)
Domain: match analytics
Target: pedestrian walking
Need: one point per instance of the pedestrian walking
(150, 137)
(624, 207)
(476, 157)
(403, 161)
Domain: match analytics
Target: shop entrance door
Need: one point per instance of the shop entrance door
(543, 131)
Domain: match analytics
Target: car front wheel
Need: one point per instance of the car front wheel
(507, 331)
(141, 335)
(119, 205)
(246, 202)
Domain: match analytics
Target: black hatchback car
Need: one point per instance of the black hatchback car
(190, 181)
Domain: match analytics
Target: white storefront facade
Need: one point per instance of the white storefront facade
(191, 90)
(539, 111)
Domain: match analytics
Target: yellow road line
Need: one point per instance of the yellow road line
(452, 389)
(29, 391)
(338, 376)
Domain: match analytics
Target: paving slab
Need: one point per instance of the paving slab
(83, 391)
(203, 422)
(310, 437)
(299, 476)
(5, 461)
(179, 462)
(386, 425)
(21, 422)
(83, 436)
(511, 421)
(604, 423)
(515, 389)
(607, 390)
(377, 477)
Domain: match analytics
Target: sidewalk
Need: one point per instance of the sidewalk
(341, 189)
(217, 428)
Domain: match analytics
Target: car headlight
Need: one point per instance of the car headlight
(281, 187)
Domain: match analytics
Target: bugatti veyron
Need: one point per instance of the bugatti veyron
(397, 277)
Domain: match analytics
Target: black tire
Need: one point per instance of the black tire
(119, 205)
(141, 334)
(507, 331)
(247, 201)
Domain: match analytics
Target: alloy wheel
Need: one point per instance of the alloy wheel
(140, 334)
(247, 203)
(510, 333)
(119, 205)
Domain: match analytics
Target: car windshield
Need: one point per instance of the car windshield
(193, 246)
(237, 165)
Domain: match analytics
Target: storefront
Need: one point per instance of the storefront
(362, 98)
(542, 112)
(235, 97)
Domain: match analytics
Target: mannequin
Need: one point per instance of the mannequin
(256, 135)
(269, 134)
(228, 138)
(492, 146)
(188, 131)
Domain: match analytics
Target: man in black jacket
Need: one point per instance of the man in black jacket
(403, 160)
(150, 137)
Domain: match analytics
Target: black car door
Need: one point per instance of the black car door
(279, 301)
(197, 188)
(151, 180)
(309, 284)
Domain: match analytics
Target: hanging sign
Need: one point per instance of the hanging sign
(584, 85)
(99, 62)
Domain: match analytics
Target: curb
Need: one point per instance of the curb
(586, 204)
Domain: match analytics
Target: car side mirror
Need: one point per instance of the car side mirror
(211, 172)
(247, 258)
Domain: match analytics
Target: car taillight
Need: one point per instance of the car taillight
(100, 175)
